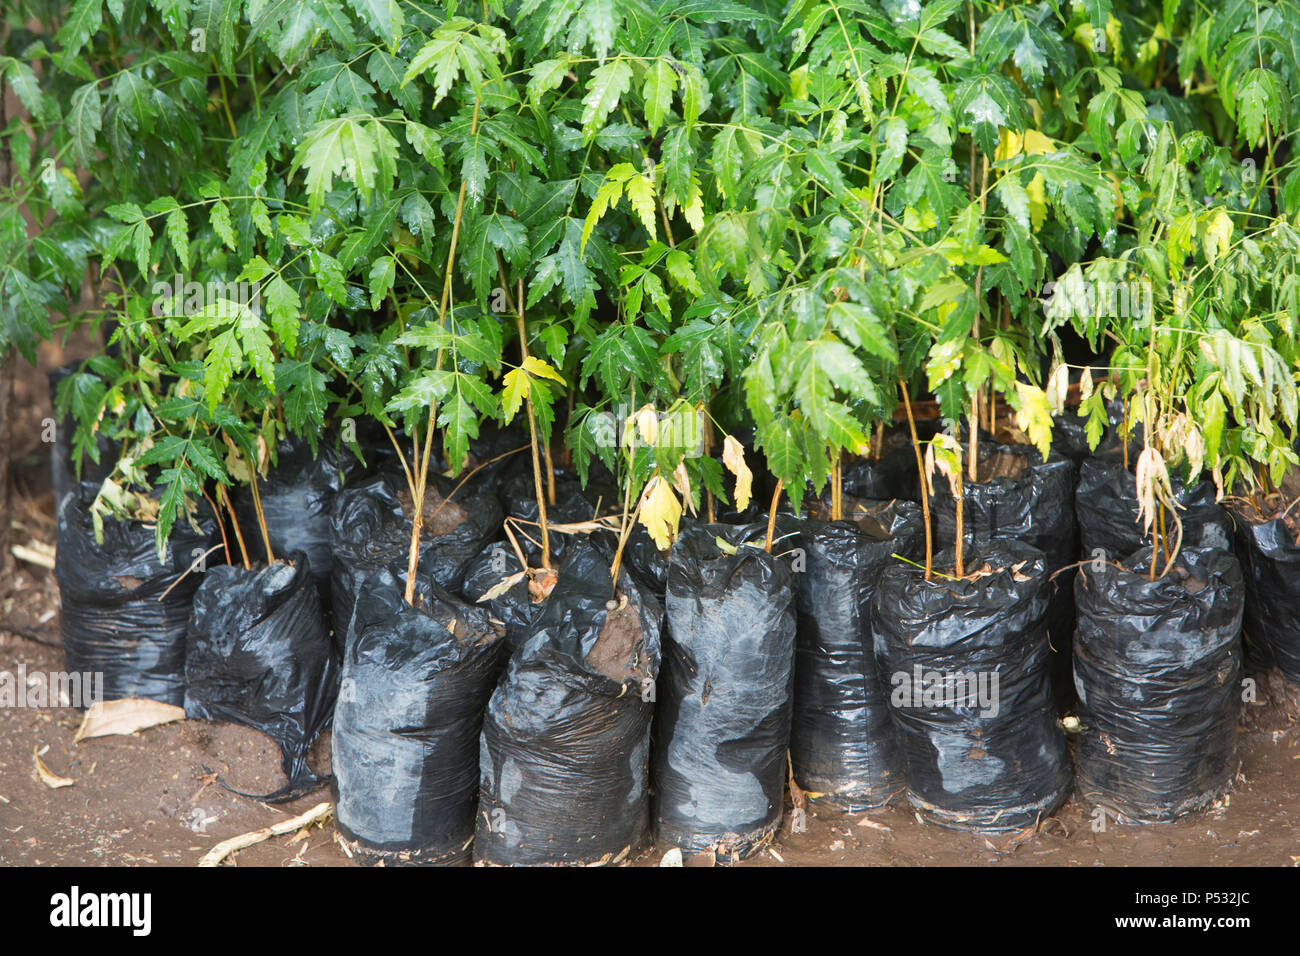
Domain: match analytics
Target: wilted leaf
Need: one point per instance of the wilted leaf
(106, 718)
(733, 457)
(51, 780)
(660, 512)
(502, 586)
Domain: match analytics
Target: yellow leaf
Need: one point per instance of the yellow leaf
(943, 454)
(1218, 236)
(660, 512)
(539, 369)
(512, 395)
(1037, 201)
(647, 424)
(733, 458)
(502, 586)
(1034, 417)
(693, 208)
(1058, 386)
(1009, 144)
(641, 194)
(682, 481)
(1036, 144)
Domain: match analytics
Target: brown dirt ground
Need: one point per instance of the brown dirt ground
(154, 797)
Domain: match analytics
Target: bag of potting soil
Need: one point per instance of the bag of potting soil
(726, 692)
(1107, 508)
(969, 671)
(1270, 564)
(1157, 666)
(842, 741)
(297, 501)
(1018, 497)
(370, 529)
(122, 612)
(416, 679)
(1021, 497)
(258, 653)
(566, 739)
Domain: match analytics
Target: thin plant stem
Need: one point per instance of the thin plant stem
(925, 484)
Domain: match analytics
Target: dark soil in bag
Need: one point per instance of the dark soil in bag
(298, 502)
(114, 618)
(566, 740)
(1021, 497)
(371, 529)
(1270, 564)
(726, 692)
(416, 680)
(843, 743)
(1107, 508)
(969, 670)
(1157, 665)
(258, 653)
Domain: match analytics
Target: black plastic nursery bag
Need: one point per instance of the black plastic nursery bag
(1107, 508)
(968, 666)
(842, 742)
(370, 530)
(1157, 666)
(416, 680)
(297, 501)
(1270, 564)
(114, 616)
(564, 757)
(497, 572)
(726, 693)
(259, 654)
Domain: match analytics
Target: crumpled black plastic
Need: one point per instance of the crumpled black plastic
(563, 762)
(514, 607)
(415, 684)
(725, 694)
(1107, 508)
(111, 615)
(297, 501)
(1158, 671)
(1033, 508)
(1270, 564)
(258, 653)
(370, 530)
(966, 767)
(641, 556)
(842, 742)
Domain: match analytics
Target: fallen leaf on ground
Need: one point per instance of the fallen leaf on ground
(106, 718)
(51, 780)
(868, 822)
